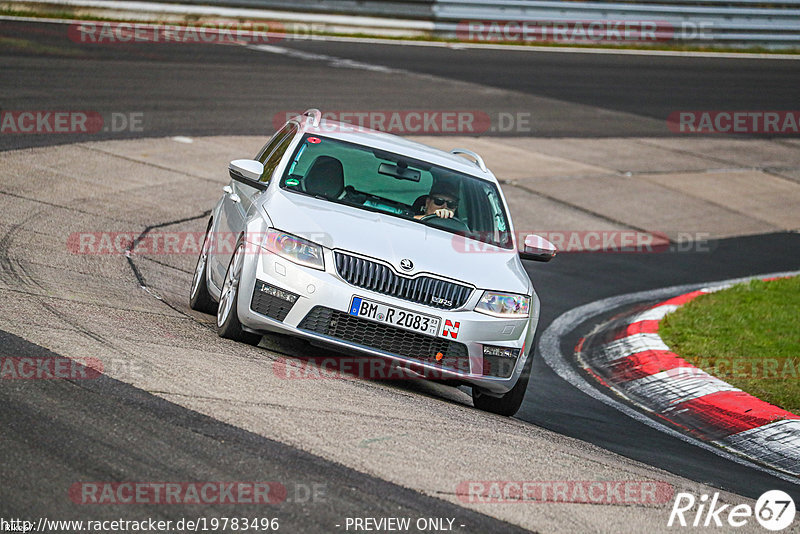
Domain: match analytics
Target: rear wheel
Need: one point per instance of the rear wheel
(199, 297)
(228, 325)
(509, 403)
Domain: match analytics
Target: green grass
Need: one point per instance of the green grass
(748, 335)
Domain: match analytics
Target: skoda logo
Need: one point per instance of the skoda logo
(406, 264)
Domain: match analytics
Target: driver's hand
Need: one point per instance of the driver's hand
(444, 213)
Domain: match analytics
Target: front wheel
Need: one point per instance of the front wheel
(199, 298)
(228, 325)
(509, 403)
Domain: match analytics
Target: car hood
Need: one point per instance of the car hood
(392, 239)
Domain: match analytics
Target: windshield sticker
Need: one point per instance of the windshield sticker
(297, 158)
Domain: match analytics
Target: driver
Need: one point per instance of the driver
(442, 201)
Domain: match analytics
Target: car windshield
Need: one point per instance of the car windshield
(371, 179)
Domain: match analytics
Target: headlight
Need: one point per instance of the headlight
(503, 304)
(294, 249)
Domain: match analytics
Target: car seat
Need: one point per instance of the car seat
(325, 177)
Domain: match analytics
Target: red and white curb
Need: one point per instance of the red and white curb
(628, 356)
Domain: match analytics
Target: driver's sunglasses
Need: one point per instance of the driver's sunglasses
(438, 201)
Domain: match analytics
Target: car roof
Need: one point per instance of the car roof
(392, 143)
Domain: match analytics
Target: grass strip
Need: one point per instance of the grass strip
(748, 335)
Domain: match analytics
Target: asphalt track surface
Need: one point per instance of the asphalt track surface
(104, 428)
(578, 279)
(195, 89)
(205, 90)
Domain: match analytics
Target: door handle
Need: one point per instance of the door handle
(228, 189)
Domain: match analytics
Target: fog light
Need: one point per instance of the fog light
(499, 361)
(505, 352)
(278, 293)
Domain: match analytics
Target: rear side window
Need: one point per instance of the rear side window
(274, 141)
(275, 157)
(278, 150)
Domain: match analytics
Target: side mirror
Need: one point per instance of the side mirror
(537, 248)
(247, 171)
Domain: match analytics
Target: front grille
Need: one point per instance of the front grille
(381, 279)
(272, 301)
(340, 325)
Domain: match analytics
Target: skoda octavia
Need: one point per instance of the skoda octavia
(370, 243)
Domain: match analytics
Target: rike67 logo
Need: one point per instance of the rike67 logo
(774, 510)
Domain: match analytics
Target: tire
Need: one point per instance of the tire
(509, 403)
(228, 325)
(199, 297)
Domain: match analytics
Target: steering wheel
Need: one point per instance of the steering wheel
(446, 224)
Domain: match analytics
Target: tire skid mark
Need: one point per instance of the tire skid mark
(129, 255)
(11, 269)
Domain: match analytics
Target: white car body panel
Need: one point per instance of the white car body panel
(383, 238)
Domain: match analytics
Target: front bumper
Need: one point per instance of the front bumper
(314, 304)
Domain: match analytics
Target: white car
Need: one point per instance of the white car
(375, 245)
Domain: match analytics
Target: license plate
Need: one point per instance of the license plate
(426, 324)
